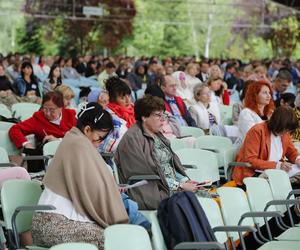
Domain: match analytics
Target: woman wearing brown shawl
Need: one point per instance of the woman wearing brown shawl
(80, 186)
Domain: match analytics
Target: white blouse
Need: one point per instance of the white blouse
(63, 206)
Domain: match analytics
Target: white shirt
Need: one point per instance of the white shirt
(247, 119)
(63, 206)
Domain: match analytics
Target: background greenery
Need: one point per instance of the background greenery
(236, 28)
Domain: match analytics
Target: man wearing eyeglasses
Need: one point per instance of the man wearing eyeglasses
(174, 104)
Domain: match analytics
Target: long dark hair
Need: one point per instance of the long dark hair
(50, 76)
(24, 65)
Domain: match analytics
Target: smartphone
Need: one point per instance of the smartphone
(204, 184)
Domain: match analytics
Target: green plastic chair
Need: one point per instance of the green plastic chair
(19, 199)
(201, 165)
(226, 114)
(24, 110)
(3, 156)
(4, 111)
(5, 125)
(126, 237)
(157, 238)
(177, 144)
(192, 131)
(222, 146)
(297, 145)
(258, 202)
(6, 143)
(50, 147)
(280, 185)
(234, 204)
(74, 246)
(214, 216)
(280, 245)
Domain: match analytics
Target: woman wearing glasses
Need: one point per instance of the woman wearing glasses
(205, 112)
(51, 122)
(80, 186)
(143, 150)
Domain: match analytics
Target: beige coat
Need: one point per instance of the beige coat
(78, 173)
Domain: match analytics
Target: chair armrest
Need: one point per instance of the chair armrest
(264, 214)
(282, 202)
(239, 164)
(236, 164)
(25, 208)
(214, 150)
(234, 229)
(35, 157)
(107, 155)
(189, 166)
(2, 165)
(295, 191)
(199, 245)
(143, 177)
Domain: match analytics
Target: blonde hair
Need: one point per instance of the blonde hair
(215, 73)
(189, 66)
(66, 91)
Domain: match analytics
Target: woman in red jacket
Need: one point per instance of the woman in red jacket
(52, 121)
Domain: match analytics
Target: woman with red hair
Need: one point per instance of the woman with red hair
(258, 107)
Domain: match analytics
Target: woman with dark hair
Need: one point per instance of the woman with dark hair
(258, 107)
(268, 145)
(54, 78)
(52, 121)
(80, 186)
(144, 150)
(120, 99)
(7, 96)
(28, 84)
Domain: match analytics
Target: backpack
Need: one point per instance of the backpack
(182, 219)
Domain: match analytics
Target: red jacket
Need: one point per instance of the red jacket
(40, 126)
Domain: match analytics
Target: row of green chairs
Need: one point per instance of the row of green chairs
(22, 110)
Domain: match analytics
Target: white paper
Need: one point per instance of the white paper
(137, 184)
(294, 170)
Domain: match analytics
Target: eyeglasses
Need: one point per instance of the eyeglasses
(204, 94)
(50, 110)
(161, 116)
(100, 139)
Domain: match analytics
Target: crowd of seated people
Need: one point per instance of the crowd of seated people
(115, 118)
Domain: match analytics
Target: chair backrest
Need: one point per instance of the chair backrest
(195, 132)
(216, 143)
(24, 110)
(258, 199)
(214, 216)
(15, 193)
(280, 185)
(6, 143)
(4, 111)
(226, 114)
(75, 246)
(157, 238)
(297, 145)
(50, 147)
(206, 164)
(126, 237)
(234, 204)
(5, 125)
(177, 144)
(3, 156)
